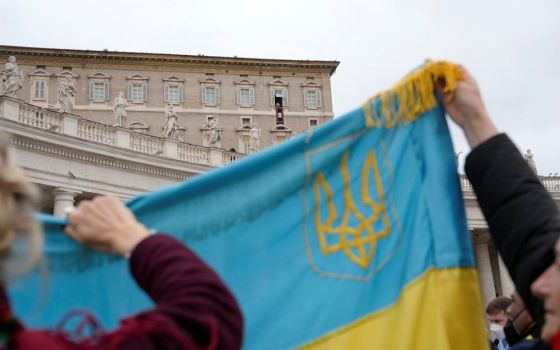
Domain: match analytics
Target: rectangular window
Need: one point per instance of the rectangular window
(245, 97)
(244, 142)
(98, 91)
(282, 93)
(312, 99)
(39, 90)
(313, 122)
(138, 92)
(210, 95)
(173, 94)
(245, 121)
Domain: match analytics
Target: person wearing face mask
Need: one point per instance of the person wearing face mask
(522, 331)
(523, 219)
(496, 312)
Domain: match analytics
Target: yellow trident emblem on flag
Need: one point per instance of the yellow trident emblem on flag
(358, 243)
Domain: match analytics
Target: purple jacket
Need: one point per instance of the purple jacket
(194, 309)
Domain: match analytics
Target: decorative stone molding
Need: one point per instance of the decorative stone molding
(280, 133)
(156, 61)
(35, 146)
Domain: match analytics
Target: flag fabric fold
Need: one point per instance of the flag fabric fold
(349, 236)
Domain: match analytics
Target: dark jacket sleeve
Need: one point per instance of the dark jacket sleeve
(522, 217)
(186, 292)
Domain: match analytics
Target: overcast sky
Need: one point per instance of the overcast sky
(512, 47)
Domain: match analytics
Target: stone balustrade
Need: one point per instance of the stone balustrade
(73, 125)
(96, 132)
(40, 118)
(551, 183)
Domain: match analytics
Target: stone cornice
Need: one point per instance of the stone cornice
(64, 152)
(148, 59)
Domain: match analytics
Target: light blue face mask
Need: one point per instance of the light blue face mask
(497, 332)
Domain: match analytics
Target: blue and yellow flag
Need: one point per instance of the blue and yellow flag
(350, 236)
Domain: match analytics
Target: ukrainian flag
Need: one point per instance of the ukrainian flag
(349, 236)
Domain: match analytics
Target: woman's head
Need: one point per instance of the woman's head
(17, 204)
(547, 287)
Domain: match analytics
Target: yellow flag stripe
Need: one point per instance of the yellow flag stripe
(441, 309)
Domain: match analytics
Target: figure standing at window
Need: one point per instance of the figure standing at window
(12, 78)
(120, 110)
(279, 113)
(171, 124)
(66, 94)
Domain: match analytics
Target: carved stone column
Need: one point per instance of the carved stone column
(485, 276)
(507, 284)
(63, 198)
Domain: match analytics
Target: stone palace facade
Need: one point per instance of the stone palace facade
(87, 123)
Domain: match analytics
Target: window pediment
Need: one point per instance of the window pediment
(139, 77)
(174, 79)
(310, 84)
(40, 73)
(244, 128)
(68, 74)
(244, 82)
(281, 129)
(99, 75)
(210, 81)
(278, 83)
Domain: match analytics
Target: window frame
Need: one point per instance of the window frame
(173, 82)
(210, 83)
(45, 84)
(316, 120)
(99, 78)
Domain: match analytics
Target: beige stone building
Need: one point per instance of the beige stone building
(235, 92)
(59, 108)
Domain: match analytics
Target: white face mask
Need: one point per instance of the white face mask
(497, 332)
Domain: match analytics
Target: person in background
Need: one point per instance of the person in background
(521, 331)
(496, 312)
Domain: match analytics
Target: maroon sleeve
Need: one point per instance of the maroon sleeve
(187, 292)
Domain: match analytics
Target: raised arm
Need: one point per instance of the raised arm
(522, 217)
(194, 309)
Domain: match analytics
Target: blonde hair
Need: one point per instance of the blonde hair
(18, 201)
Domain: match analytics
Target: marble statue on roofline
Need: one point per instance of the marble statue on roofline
(120, 110)
(11, 78)
(66, 93)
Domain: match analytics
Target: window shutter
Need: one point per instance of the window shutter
(238, 93)
(319, 98)
(180, 88)
(251, 96)
(285, 98)
(217, 90)
(165, 92)
(91, 89)
(272, 93)
(203, 89)
(305, 104)
(145, 92)
(106, 91)
(129, 94)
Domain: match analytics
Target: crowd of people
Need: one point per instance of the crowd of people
(195, 310)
